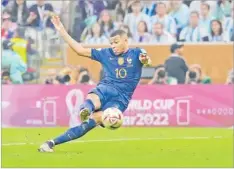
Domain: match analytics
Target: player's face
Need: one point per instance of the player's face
(118, 44)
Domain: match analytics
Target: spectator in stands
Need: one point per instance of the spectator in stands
(124, 6)
(126, 29)
(206, 18)
(12, 62)
(89, 8)
(20, 12)
(149, 8)
(142, 35)
(196, 76)
(111, 4)
(28, 77)
(107, 24)
(160, 35)
(223, 9)
(229, 24)
(84, 77)
(51, 77)
(98, 6)
(72, 75)
(85, 9)
(217, 34)
(193, 32)
(196, 5)
(121, 7)
(64, 76)
(6, 77)
(20, 44)
(180, 12)
(8, 27)
(175, 65)
(132, 19)
(162, 17)
(160, 77)
(119, 18)
(97, 36)
(39, 15)
(230, 77)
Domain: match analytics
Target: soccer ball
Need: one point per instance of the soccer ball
(112, 118)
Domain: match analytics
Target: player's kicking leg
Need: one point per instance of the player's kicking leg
(91, 104)
(73, 133)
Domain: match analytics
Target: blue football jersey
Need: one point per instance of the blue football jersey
(121, 72)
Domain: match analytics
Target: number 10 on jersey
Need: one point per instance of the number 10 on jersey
(121, 73)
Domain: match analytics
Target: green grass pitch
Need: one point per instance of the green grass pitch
(125, 147)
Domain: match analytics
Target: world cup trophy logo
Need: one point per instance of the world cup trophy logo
(73, 106)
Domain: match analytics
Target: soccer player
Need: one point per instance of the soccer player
(122, 68)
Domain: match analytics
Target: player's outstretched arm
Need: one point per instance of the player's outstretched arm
(71, 42)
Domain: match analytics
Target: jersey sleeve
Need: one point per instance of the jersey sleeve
(98, 54)
(142, 51)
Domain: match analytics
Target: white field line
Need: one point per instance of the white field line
(123, 139)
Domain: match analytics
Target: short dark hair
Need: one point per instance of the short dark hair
(118, 32)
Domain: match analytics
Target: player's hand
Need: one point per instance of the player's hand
(145, 59)
(57, 23)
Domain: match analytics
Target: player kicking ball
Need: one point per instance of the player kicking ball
(122, 68)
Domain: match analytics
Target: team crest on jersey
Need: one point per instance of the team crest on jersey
(129, 60)
(120, 61)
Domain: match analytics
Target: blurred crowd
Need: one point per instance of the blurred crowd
(156, 21)
(69, 75)
(173, 71)
(27, 30)
(151, 21)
